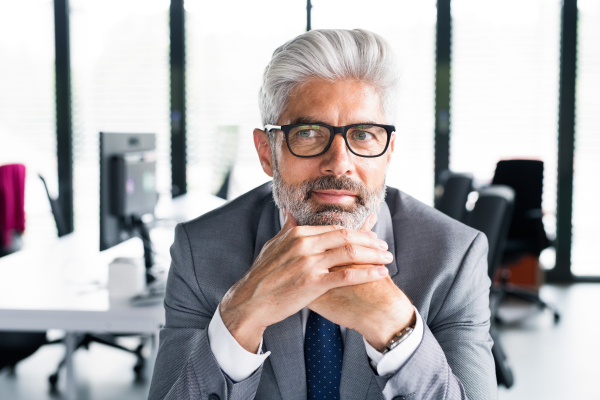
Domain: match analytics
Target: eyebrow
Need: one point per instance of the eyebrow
(312, 121)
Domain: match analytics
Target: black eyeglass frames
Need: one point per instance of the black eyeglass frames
(312, 140)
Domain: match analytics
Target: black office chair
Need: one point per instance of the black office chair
(492, 215)
(85, 339)
(526, 235)
(452, 193)
(61, 225)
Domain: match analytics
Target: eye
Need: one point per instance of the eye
(361, 135)
(306, 133)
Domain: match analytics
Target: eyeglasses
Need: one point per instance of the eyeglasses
(312, 140)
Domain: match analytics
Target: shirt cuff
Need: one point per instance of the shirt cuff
(393, 360)
(235, 361)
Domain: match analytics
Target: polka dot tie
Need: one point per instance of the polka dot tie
(323, 358)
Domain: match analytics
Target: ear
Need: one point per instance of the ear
(391, 147)
(263, 148)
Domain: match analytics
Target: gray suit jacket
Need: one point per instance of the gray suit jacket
(439, 263)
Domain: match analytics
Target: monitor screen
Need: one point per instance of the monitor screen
(127, 183)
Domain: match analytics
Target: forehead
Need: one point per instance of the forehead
(339, 103)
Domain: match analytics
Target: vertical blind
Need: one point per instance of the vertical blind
(586, 218)
(27, 107)
(409, 26)
(504, 96)
(120, 83)
(228, 47)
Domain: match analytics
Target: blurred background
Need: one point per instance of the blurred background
(483, 81)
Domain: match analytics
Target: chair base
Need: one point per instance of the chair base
(109, 340)
(505, 291)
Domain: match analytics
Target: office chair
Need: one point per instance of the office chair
(526, 235)
(84, 340)
(492, 215)
(61, 225)
(14, 346)
(454, 188)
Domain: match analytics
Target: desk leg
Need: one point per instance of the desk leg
(70, 339)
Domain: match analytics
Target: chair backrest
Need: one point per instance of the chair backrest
(61, 225)
(526, 177)
(12, 203)
(456, 189)
(492, 215)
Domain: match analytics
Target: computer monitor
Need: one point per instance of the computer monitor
(127, 189)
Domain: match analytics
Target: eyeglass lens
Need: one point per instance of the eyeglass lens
(309, 140)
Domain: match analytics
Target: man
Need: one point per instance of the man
(303, 289)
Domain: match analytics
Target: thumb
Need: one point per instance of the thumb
(290, 221)
(369, 223)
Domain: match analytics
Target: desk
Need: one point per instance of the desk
(63, 285)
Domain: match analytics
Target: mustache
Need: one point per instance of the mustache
(331, 182)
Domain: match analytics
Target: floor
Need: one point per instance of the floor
(549, 361)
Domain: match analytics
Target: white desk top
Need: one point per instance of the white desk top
(63, 285)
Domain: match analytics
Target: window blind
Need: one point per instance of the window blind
(586, 218)
(27, 107)
(504, 95)
(120, 83)
(227, 53)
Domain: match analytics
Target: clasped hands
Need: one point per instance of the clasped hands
(337, 272)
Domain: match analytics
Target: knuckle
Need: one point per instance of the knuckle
(351, 251)
(345, 234)
(348, 275)
(301, 244)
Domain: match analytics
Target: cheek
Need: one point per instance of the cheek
(372, 172)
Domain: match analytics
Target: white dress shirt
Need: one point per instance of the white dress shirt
(239, 364)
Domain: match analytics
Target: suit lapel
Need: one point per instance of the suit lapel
(356, 372)
(286, 344)
(284, 339)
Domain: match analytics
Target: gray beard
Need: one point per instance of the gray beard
(296, 199)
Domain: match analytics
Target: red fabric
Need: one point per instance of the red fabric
(12, 202)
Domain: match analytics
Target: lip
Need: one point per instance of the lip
(335, 196)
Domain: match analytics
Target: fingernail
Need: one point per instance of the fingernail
(382, 244)
(382, 271)
(388, 256)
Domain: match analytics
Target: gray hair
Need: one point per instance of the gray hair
(330, 54)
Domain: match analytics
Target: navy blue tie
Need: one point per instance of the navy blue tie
(323, 357)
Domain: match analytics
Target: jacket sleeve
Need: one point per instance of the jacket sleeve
(185, 366)
(454, 359)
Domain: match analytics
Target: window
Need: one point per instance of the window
(27, 107)
(586, 218)
(409, 26)
(120, 83)
(504, 98)
(227, 53)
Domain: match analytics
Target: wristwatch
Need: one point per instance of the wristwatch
(398, 338)
(395, 341)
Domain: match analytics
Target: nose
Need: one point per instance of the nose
(338, 160)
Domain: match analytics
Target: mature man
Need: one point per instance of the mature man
(309, 295)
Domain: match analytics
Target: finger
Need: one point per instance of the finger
(341, 237)
(351, 276)
(370, 222)
(353, 254)
(289, 221)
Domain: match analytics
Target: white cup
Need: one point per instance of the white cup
(126, 277)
